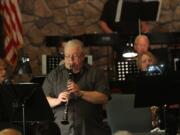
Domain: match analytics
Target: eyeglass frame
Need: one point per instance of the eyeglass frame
(74, 57)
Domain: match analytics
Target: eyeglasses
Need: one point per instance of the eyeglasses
(74, 57)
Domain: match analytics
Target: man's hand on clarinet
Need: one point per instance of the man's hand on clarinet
(72, 87)
(63, 96)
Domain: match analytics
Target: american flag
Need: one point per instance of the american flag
(12, 24)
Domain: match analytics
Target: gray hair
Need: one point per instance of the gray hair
(75, 43)
(139, 37)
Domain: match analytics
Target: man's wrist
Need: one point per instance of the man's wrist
(81, 93)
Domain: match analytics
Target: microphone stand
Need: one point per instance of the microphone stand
(23, 118)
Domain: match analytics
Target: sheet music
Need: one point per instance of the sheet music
(118, 11)
(159, 7)
(159, 10)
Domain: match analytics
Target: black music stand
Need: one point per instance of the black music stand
(158, 90)
(134, 11)
(142, 9)
(27, 104)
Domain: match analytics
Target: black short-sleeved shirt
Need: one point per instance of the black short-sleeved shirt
(108, 16)
(84, 117)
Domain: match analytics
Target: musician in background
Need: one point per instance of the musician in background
(85, 92)
(141, 44)
(144, 60)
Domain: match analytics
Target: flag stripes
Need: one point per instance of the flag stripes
(13, 29)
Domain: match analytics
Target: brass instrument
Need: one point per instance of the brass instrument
(155, 117)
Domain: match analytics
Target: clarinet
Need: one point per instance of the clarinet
(65, 115)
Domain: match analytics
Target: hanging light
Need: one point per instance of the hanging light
(23, 66)
(129, 52)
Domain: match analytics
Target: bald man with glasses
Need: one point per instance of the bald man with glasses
(86, 93)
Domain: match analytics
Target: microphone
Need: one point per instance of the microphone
(7, 81)
(65, 115)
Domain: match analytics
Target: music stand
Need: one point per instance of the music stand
(136, 10)
(29, 104)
